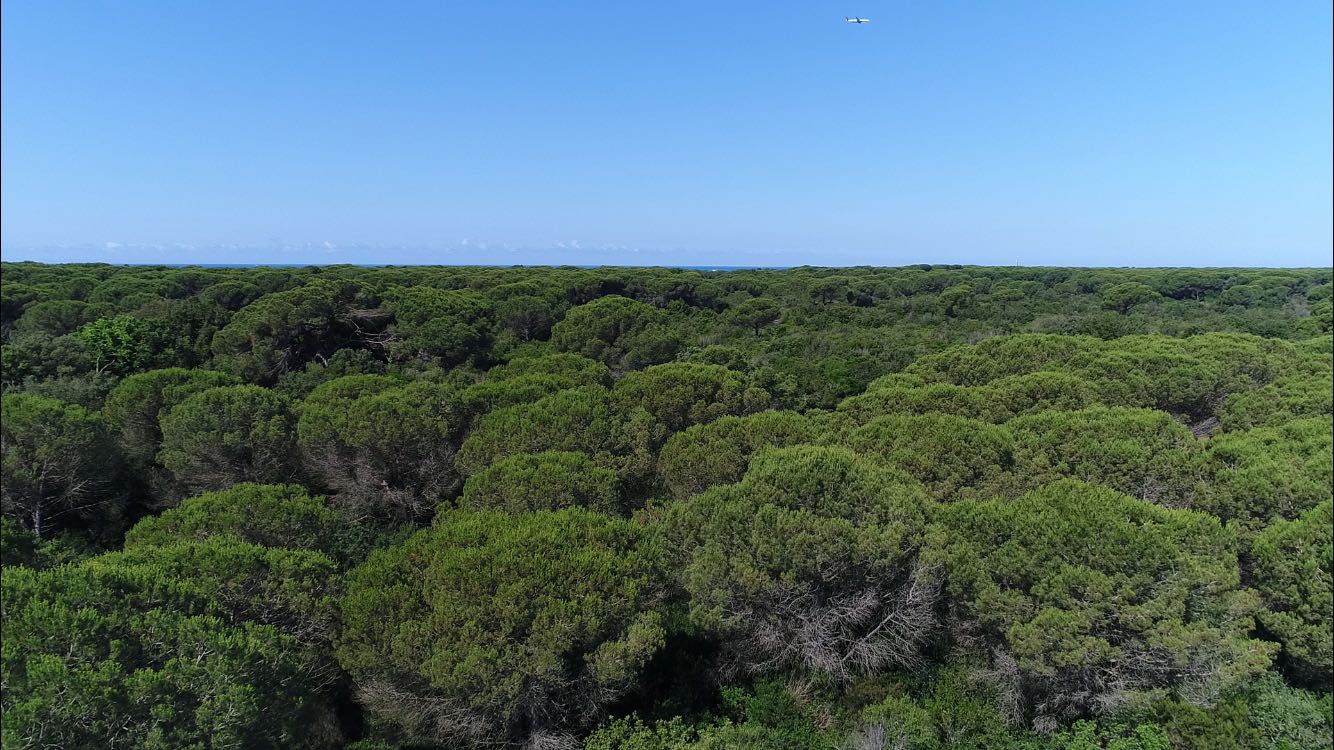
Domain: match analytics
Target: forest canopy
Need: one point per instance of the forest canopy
(929, 508)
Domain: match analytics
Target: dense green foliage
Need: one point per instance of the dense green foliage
(928, 508)
(1087, 596)
(491, 624)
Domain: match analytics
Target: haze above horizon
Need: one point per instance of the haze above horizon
(771, 134)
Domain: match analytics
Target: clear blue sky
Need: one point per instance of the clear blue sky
(1106, 132)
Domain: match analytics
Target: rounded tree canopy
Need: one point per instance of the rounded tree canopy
(124, 651)
(1294, 573)
(1257, 476)
(222, 436)
(579, 419)
(543, 481)
(718, 452)
(490, 625)
(1074, 579)
(575, 367)
(949, 455)
(680, 394)
(808, 564)
(272, 515)
(1140, 452)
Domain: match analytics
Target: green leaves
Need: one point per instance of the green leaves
(1123, 297)
(551, 480)
(131, 653)
(136, 405)
(1256, 476)
(755, 314)
(946, 454)
(637, 534)
(450, 325)
(718, 452)
(57, 465)
(679, 395)
(1098, 595)
(1294, 573)
(222, 436)
(280, 332)
(579, 419)
(386, 449)
(808, 564)
(491, 625)
(283, 516)
(1139, 452)
(619, 332)
(125, 344)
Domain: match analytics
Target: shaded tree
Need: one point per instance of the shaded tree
(135, 407)
(223, 436)
(578, 369)
(55, 317)
(445, 324)
(527, 317)
(281, 332)
(59, 467)
(755, 314)
(616, 331)
(1294, 573)
(720, 451)
(386, 454)
(579, 419)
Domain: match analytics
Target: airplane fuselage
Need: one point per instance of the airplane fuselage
(856, 20)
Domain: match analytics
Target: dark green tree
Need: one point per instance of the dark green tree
(719, 452)
(755, 314)
(1294, 573)
(281, 332)
(223, 436)
(1124, 297)
(135, 407)
(1085, 597)
(437, 324)
(58, 466)
(678, 395)
(580, 420)
(808, 565)
(386, 454)
(617, 331)
(492, 629)
(543, 481)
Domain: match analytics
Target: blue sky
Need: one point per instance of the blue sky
(743, 133)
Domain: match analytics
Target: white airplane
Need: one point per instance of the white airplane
(856, 20)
